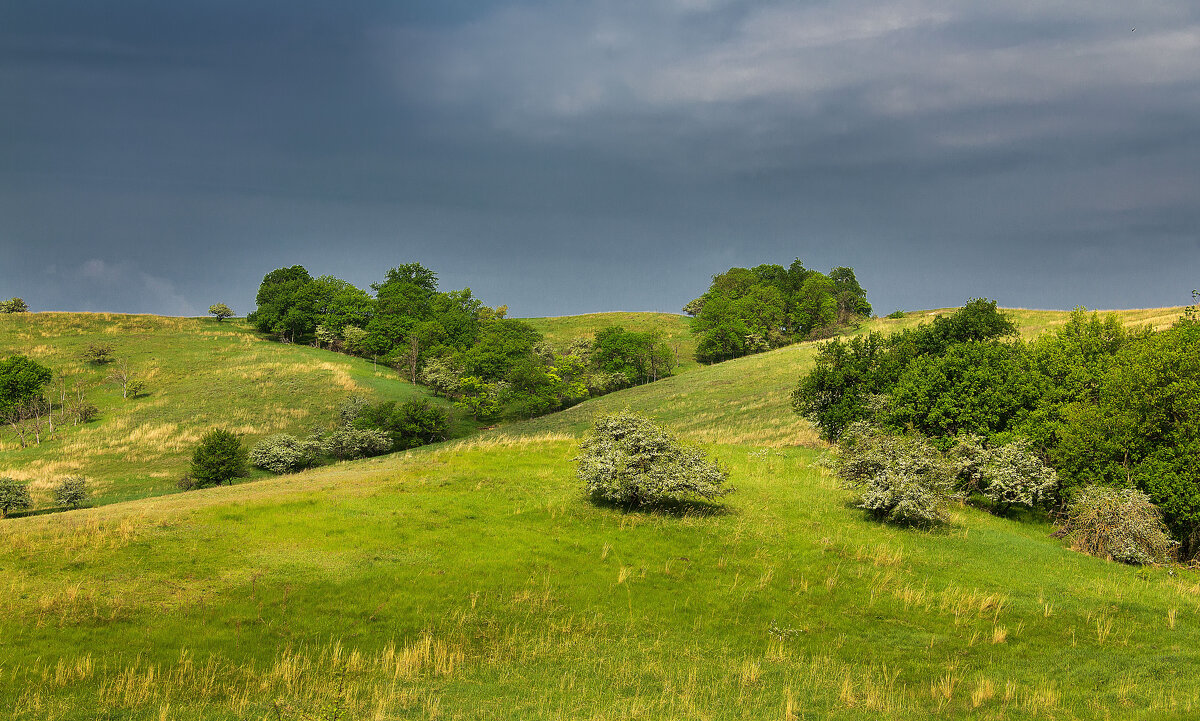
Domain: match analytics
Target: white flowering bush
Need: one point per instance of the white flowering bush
(1008, 475)
(71, 492)
(629, 460)
(348, 442)
(902, 479)
(282, 453)
(1013, 475)
(1117, 523)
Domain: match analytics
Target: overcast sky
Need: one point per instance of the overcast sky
(586, 155)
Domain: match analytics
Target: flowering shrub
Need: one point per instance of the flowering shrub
(903, 479)
(629, 460)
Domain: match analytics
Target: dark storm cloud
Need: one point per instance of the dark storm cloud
(567, 157)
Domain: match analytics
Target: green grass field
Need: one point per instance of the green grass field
(199, 374)
(473, 580)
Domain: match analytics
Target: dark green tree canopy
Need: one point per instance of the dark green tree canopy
(21, 380)
(219, 458)
(768, 306)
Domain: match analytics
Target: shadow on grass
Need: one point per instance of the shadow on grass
(676, 508)
(936, 527)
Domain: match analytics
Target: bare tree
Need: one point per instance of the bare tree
(122, 375)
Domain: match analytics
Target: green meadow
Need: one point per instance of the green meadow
(199, 374)
(473, 580)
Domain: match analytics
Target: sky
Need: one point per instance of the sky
(585, 155)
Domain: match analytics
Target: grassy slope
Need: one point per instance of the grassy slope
(472, 580)
(200, 374)
(676, 330)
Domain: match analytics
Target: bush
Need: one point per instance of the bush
(895, 315)
(219, 458)
(14, 305)
(71, 492)
(903, 479)
(629, 460)
(282, 453)
(97, 353)
(348, 442)
(1008, 475)
(1117, 523)
(352, 407)
(14, 496)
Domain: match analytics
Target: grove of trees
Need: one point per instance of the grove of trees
(749, 310)
(490, 365)
(1099, 403)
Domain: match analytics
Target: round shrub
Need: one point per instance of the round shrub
(629, 460)
(1008, 475)
(14, 496)
(71, 492)
(282, 453)
(902, 479)
(1117, 523)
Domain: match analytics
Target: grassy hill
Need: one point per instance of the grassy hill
(472, 580)
(676, 330)
(199, 374)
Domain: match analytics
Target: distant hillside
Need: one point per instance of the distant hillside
(199, 374)
(748, 400)
(559, 331)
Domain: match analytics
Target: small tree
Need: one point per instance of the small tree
(127, 379)
(1117, 523)
(221, 311)
(629, 460)
(14, 496)
(71, 492)
(13, 305)
(219, 458)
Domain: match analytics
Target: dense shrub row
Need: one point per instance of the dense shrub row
(1099, 403)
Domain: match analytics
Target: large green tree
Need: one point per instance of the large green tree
(21, 380)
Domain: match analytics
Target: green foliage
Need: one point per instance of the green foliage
(411, 424)
(14, 496)
(443, 376)
(1140, 426)
(14, 305)
(21, 381)
(221, 311)
(901, 479)
(945, 394)
(639, 357)
(219, 458)
(751, 310)
(283, 453)
(71, 492)
(285, 305)
(98, 353)
(629, 460)
(349, 442)
(1117, 523)
(481, 399)
(895, 315)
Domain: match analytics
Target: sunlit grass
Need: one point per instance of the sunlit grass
(473, 580)
(199, 374)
